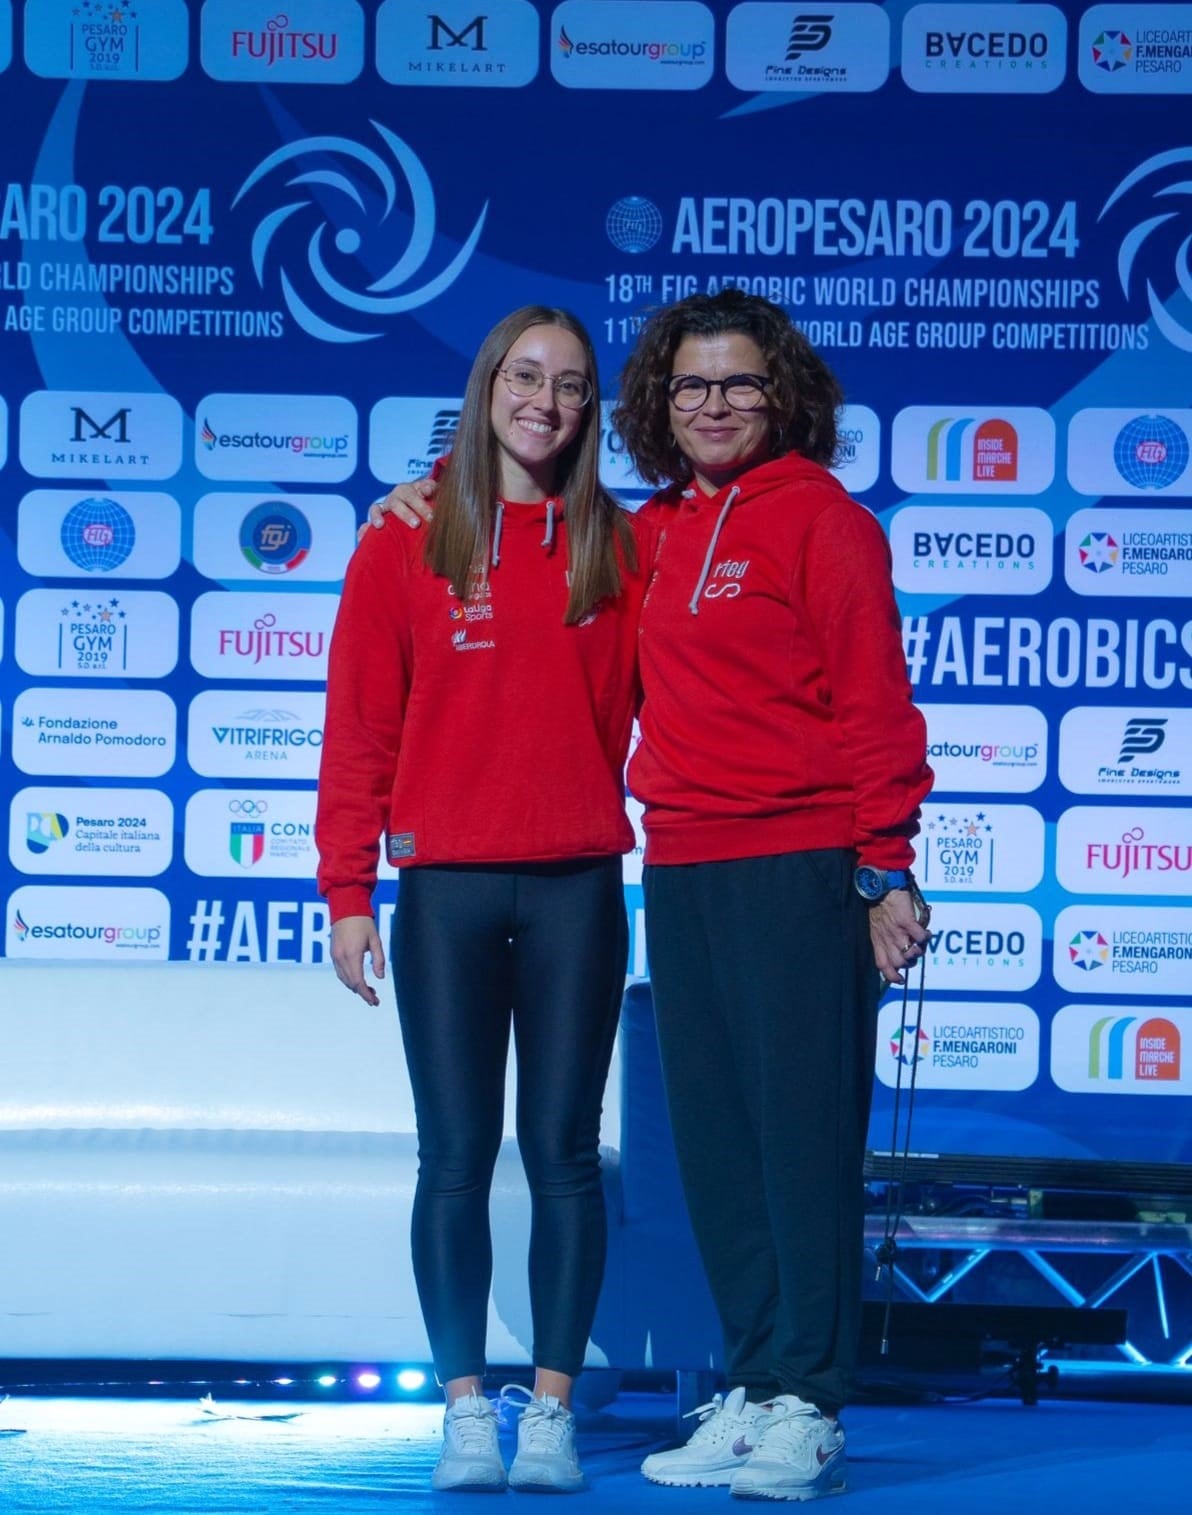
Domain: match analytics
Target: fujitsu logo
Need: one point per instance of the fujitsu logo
(275, 43)
(264, 640)
(1134, 854)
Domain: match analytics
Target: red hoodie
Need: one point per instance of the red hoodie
(482, 731)
(777, 714)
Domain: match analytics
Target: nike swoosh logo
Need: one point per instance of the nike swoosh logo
(822, 1457)
(741, 1447)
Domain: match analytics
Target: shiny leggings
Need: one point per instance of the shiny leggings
(476, 950)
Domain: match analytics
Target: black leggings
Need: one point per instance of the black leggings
(475, 949)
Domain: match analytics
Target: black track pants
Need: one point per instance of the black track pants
(474, 950)
(765, 992)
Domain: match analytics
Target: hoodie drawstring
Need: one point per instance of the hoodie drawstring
(549, 539)
(497, 525)
(707, 568)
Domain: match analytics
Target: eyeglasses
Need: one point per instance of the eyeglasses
(743, 391)
(571, 390)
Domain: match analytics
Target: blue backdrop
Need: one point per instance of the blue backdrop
(246, 255)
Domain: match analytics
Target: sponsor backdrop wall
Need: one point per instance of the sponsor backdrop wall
(246, 254)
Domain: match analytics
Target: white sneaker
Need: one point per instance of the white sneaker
(799, 1454)
(719, 1446)
(546, 1462)
(471, 1458)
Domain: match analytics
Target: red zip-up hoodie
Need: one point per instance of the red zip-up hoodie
(479, 730)
(777, 713)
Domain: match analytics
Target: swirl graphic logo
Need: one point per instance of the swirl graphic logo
(1164, 192)
(350, 193)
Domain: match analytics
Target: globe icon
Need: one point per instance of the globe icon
(97, 535)
(1151, 452)
(633, 224)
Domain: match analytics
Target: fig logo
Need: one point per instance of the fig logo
(1166, 237)
(1150, 1054)
(352, 223)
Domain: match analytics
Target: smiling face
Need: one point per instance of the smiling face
(533, 431)
(718, 441)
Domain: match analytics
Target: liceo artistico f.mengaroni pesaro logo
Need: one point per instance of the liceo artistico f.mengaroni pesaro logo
(347, 256)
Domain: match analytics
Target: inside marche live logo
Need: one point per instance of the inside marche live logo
(1155, 1055)
(961, 448)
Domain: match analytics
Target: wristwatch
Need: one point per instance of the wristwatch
(873, 884)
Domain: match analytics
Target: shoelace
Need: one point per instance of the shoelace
(788, 1429)
(474, 1425)
(711, 1422)
(544, 1422)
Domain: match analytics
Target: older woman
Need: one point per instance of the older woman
(781, 766)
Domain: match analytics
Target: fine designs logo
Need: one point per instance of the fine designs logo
(1143, 735)
(352, 225)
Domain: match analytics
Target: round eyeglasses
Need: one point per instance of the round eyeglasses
(743, 391)
(571, 390)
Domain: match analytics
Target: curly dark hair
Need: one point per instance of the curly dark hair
(804, 396)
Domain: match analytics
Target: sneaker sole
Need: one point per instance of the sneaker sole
(810, 1491)
(540, 1486)
(712, 1478)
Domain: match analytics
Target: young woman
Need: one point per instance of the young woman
(479, 701)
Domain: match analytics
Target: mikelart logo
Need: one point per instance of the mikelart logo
(69, 434)
(455, 43)
(314, 238)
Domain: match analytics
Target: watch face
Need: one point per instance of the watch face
(870, 884)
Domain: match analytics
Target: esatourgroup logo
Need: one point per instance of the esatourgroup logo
(1136, 49)
(1131, 452)
(458, 42)
(957, 1044)
(272, 538)
(270, 833)
(986, 749)
(1130, 552)
(125, 733)
(632, 44)
(113, 924)
(1115, 850)
(1110, 1049)
(293, 438)
(783, 47)
(992, 947)
(62, 830)
(128, 634)
(407, 436)
(1123, 949)
(268, 734)
(984, 49)
(68, 434)
(1124, 749)
(70, 534)
(978, 848)
(973, 450)
(262, 636)
(997, 549)
(302, 42)
(106, 39)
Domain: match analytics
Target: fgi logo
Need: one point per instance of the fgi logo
(350, 209)
(1150, 1054)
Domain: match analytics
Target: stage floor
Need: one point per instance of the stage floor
(86, 1456)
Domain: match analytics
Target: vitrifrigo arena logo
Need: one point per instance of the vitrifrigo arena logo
(974, 848)
(998, 549)
(986, 749)
(1129, 552)
(1124, 949)
(960, 1045)
(1115, 850)
(116, 733)
(320, 243)
(1113, 1049)
(269, 734)
(112, 924)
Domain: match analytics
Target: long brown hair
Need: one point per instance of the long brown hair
(458, 541)
(803, 401)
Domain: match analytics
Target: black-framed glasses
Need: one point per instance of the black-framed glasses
(743, 391)
(571, 390)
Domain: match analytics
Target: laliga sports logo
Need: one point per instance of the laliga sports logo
(344, 217)
(1178, 333)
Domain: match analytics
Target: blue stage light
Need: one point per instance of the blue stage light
(368, 1380)
(327, 1380)
(411, 1380)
